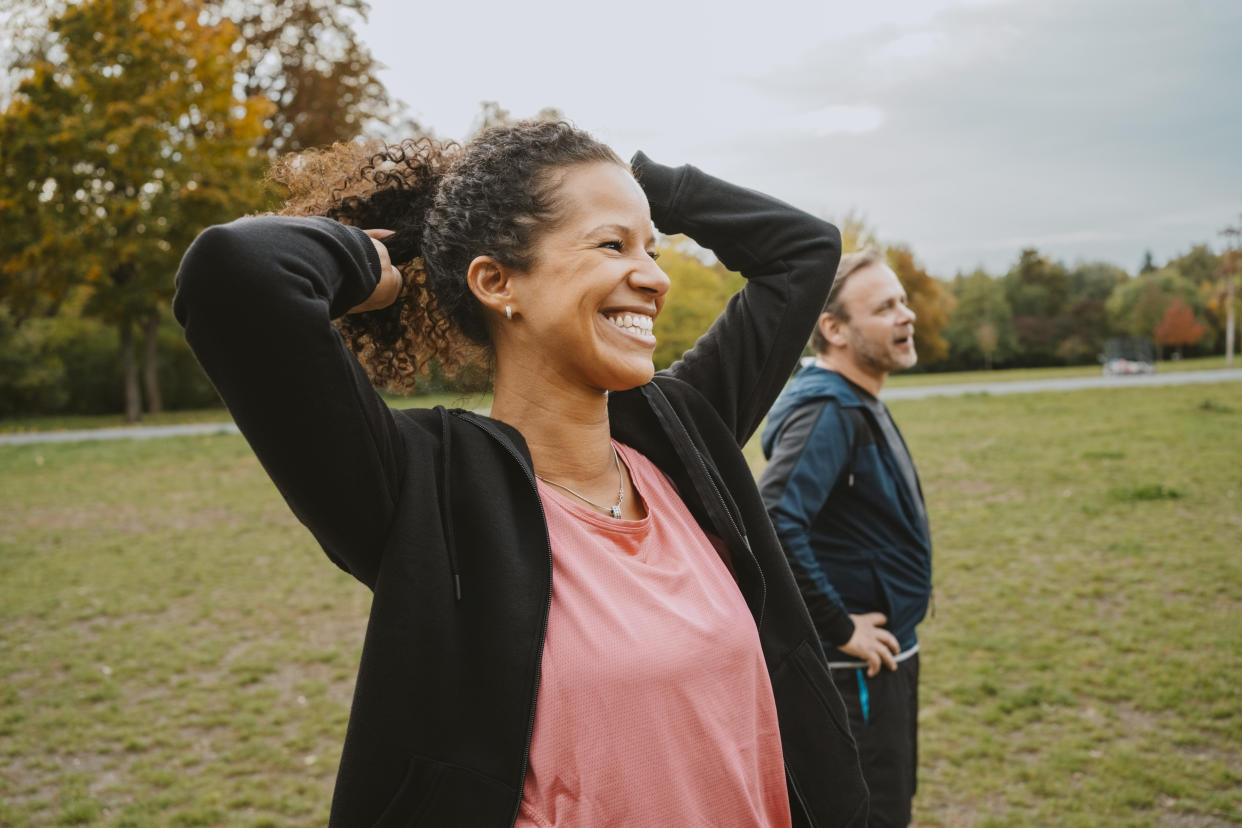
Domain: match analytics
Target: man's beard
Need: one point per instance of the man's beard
(879, 358)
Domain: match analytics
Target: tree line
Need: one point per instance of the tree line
(127, 126)
(1042, 312)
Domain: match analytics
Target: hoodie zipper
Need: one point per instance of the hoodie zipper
(732, 524)
(793, 783)
(763, 583)
(547, 609)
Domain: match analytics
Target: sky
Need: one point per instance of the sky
(1092, 130)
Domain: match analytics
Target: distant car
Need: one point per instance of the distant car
(1120, 366)
(1124, 356)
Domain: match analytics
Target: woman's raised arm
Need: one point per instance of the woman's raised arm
(256, 298)
(788, 258)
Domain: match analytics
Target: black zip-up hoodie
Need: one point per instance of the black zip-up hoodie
(437, 511)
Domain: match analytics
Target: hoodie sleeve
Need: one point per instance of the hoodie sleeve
(788, 258)
(811, 451)
(256, 298)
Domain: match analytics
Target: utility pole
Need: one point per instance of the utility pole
(1231, 235)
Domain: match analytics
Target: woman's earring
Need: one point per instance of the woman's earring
(509, 312)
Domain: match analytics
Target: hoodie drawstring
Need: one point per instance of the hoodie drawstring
(446, 518)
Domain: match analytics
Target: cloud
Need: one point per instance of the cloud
(1074, 127)
(959, 127)
(912, 45)
(843, 119)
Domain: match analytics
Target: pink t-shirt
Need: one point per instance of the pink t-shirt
(654, 704)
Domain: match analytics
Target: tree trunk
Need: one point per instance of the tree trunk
(129, 367)
(150, 365)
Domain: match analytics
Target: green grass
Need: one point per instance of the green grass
(174, 649)
(1083, 663)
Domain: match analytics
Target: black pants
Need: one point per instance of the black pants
(887, 735)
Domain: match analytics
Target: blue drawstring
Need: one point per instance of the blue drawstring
(863, 699)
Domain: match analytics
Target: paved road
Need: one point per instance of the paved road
(911, 393)
(121, 433)
(1062, 384)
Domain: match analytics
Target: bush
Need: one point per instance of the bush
(69, 364)
(89, 351)
(30, 380)
(182, 381)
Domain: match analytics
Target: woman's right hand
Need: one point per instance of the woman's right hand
(390, 280)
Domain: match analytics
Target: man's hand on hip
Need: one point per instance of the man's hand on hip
(872, 643)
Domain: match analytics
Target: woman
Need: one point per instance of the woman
(581, 614)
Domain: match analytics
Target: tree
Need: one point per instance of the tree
(1222, 296)
(124, 139)
(980, 331)
(929, 300)
(305, 57)
(1095, 281)
(1085, 324)
(855, 234)
(1037, 289)
(1179, 327)
(1224, 300)
(699, 293)
(1036, 286)
(1198, 265)
(1138, 306)
(987, 338)
(1148, 264)
(302, 55)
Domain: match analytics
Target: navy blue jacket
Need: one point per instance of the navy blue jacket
(851, 526)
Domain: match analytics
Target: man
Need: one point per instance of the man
(846, 502)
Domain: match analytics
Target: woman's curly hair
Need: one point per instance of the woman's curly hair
(446, 204)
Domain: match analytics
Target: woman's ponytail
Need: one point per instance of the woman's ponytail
(376, 186)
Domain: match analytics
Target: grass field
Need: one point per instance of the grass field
(174, 650)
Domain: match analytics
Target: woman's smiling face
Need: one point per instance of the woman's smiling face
(587, 306)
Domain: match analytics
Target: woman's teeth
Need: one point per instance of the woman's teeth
(633, 322)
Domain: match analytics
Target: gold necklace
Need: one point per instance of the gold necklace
(615, 511)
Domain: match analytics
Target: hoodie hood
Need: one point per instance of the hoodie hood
(813, 382)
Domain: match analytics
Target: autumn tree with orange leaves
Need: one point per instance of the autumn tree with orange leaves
(1178, 326)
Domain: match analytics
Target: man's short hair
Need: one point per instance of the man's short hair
(850, 264)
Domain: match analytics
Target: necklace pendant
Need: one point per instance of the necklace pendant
(616, 510)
